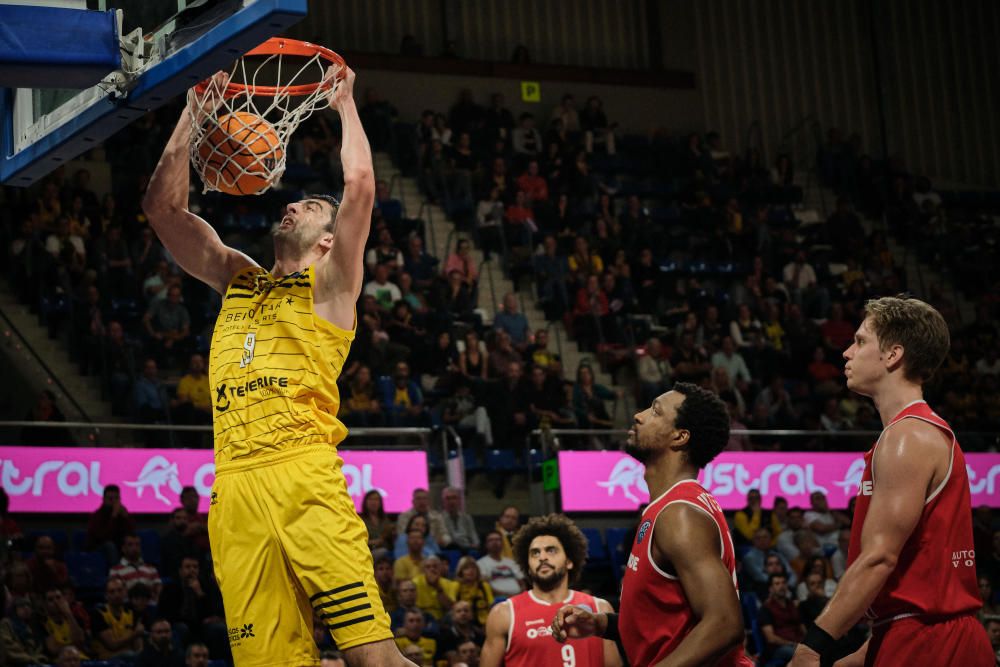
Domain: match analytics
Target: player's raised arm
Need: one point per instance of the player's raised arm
(689, 539)
(341, 271)
(190, 240)
(497, 627)
(905, 463)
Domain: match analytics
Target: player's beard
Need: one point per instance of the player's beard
(294, 242)
(549, 581)
(636, 450)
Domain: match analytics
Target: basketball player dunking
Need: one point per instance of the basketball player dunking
(679, 603)
(287, 543)
(911, 564)
(553, 551)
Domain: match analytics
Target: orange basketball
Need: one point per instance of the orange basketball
(240, 154)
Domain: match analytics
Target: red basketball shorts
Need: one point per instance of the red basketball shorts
(916, 642)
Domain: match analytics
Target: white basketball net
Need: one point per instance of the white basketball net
(281, 107)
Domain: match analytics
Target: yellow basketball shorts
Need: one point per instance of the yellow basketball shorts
(288, 547)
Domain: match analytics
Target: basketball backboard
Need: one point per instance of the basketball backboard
(167, 46)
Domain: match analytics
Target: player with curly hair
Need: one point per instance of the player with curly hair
(679, 603)
(553, 551)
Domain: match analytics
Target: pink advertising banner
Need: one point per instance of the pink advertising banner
(613, 481)
(72, 479)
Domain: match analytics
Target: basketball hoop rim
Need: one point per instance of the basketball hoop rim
(277, 46)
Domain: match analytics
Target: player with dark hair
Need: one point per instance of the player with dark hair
(553, 551)
(911, 562)
(287, 542)
(679, 602)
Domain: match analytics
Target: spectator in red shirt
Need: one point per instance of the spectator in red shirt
(590, 310)
(824, 375)
(520, 221)
(779, 621)
(109, 525)
(197, 523)
(837, 331)
(133, 570)
(46, 570)
(532, 184)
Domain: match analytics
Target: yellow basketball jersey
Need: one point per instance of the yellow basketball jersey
(274, 366)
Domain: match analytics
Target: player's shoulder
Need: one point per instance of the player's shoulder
(914, 437)
(500, 616)
(682, 525)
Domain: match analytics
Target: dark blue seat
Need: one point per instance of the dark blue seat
(470, 459)
(88, 569)
(597, 551)
(150, 546)
(618, 549)
(451, 556)
(500, 459)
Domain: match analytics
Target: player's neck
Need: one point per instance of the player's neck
(557, 595)
(892, 400)
(286, 261)
(665, 472)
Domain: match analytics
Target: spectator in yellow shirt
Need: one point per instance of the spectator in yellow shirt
(412, 635)
(409, 566)
(472, 588)
(751, 518)
(435, 593)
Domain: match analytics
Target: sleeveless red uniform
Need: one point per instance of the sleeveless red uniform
(529, 640)
(655, 614)
(925, 612)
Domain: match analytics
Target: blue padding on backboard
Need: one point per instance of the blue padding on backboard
(51, 47)
(215, 50)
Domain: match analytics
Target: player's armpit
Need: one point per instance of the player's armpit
(906, 466)
(688, 539)
(497, 627)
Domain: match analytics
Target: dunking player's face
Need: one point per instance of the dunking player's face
(653, 429)
(866, 363)
(304, 225)
(548, 565)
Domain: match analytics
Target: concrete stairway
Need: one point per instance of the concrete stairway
(38, 352)
(441, 237)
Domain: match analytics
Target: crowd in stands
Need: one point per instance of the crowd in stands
(148, 597)
(667, 258)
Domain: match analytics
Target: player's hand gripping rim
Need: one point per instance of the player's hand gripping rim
(206, 103)
(573, 622)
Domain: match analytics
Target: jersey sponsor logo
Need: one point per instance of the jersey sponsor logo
(964, 558)
(157, 472)
(535, 633)
(633, 562)
(626, 474)
(248, 346)
(866, 487)
(268, 385)
(240, 634)
(640, 535)
(264, 312)
(852, 478)
(535, 622)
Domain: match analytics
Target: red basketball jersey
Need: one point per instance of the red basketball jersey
(936, 571)
(529, 640)
(655, 614)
